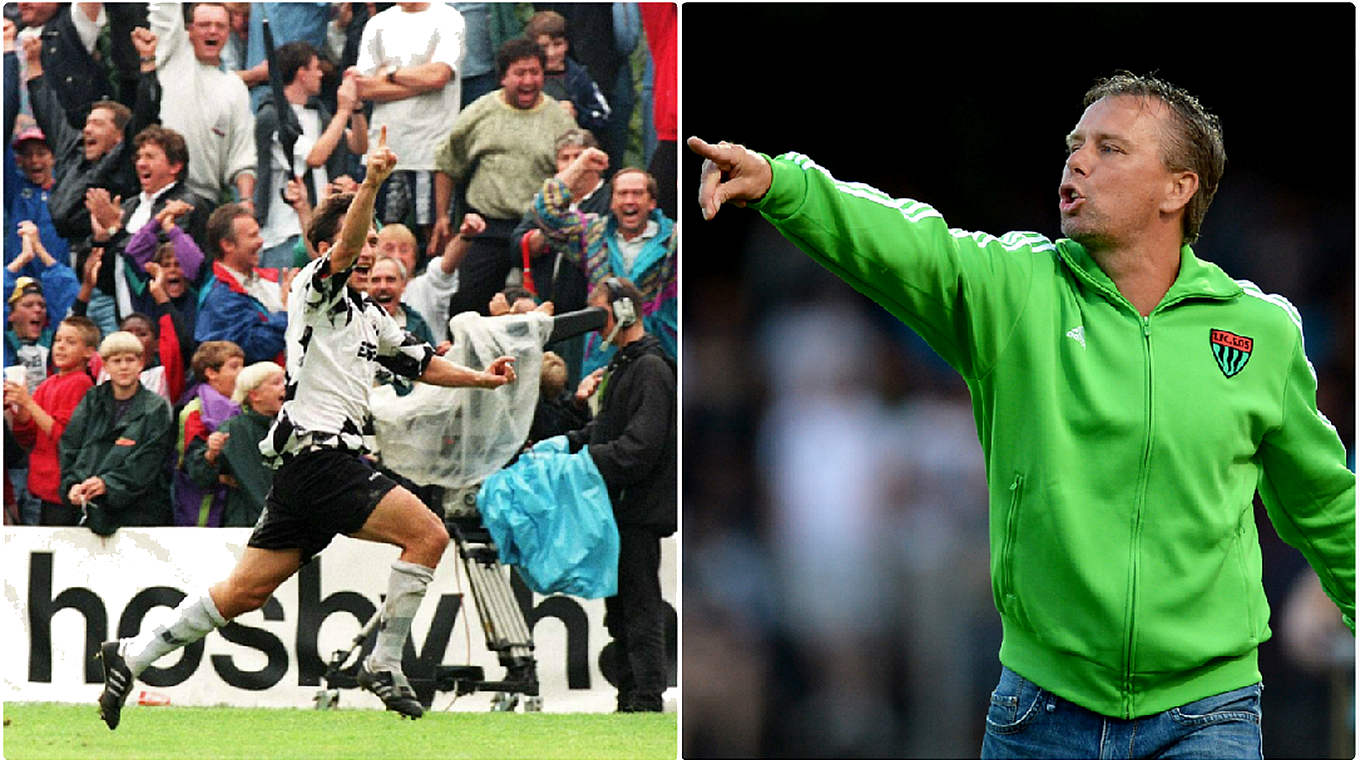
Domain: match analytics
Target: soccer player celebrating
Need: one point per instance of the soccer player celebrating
(322, 486)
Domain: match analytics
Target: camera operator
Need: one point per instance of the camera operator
(632, 441)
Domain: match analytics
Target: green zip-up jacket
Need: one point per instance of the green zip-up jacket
(1122, 451)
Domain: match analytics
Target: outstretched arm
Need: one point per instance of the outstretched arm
(444, 372)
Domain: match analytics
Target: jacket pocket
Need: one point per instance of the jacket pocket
(1249, 615)
(1007, 580)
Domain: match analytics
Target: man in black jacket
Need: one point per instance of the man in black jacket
(83, 64)
(632, 441)
(96, 156)
(162, 163)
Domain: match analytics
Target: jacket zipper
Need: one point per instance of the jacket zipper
(1141, 494)
(1137, 527)
(1007, 562)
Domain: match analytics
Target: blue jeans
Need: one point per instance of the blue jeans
(1025, 721)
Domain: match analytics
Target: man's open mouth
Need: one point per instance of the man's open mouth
(1069, 197)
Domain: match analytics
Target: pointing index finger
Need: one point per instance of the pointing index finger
(382, 137)
(702, 148)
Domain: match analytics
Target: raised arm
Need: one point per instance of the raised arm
(146, 110)
(11, 79)
(473, 225)
(336, 129)
(354, 231)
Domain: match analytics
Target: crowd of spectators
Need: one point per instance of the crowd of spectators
(161, 164)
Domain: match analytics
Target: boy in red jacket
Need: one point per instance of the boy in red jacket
(40, 418)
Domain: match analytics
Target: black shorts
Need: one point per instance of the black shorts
(317, 495)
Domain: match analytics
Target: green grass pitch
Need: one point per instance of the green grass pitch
(34, 731)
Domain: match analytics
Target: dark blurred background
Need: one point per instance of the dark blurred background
(836, 596)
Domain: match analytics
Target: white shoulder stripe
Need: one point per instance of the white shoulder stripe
(1253, 290)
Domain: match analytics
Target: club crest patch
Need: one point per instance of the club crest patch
(1231, 351)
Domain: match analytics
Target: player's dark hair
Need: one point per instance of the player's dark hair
(1195, 143)
(328, 218)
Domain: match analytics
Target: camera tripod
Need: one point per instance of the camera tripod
(507, 632)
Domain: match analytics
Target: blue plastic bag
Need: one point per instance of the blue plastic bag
(550, 517)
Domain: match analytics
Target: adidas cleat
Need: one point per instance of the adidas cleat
(117, 683)
(393, 689)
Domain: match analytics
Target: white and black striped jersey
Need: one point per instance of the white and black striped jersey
(336, 340)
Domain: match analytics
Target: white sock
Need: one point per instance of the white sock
(195, 617)
(405, 590)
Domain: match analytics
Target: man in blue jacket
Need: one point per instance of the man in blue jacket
(241, 303)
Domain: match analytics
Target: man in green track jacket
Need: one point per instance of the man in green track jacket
(1130, 398)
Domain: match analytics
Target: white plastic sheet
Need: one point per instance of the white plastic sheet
(455, 437)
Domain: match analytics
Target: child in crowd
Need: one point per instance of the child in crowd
(28, 336)
(165, 247)
(565, 79)
(216, 364)
(231, 455)
(162, 355)
(114, 449)
(41, 418)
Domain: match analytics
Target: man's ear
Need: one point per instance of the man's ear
(1182, 188)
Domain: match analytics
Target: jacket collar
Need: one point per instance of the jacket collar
(229, 278)
(647, 344)
(1196, 278)
(654, 250)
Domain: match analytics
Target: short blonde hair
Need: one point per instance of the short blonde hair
(121, 342)
(251, 378)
